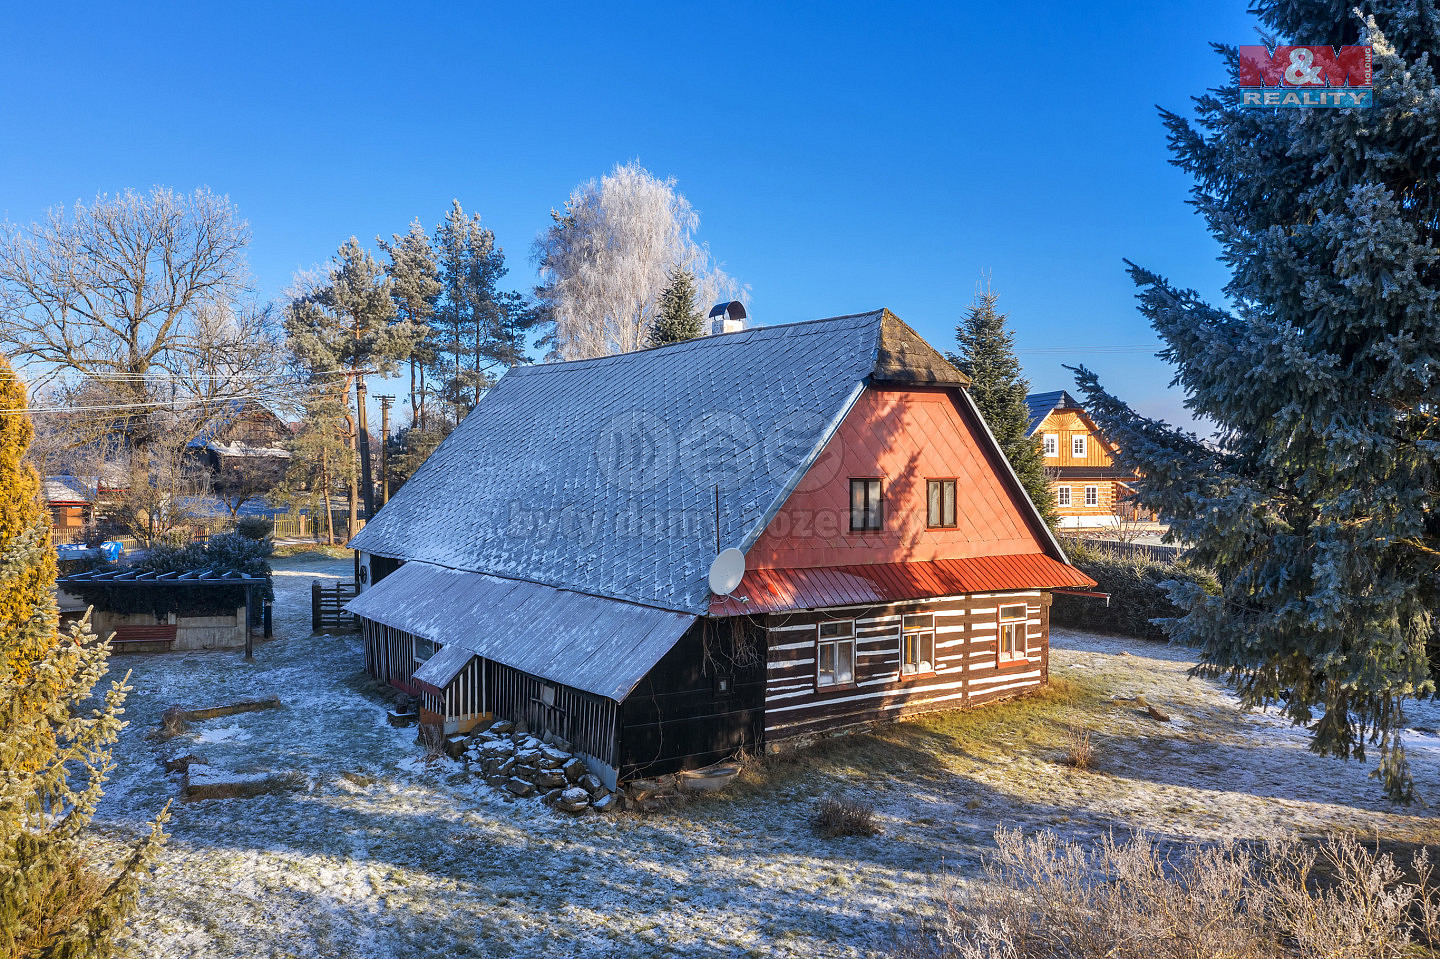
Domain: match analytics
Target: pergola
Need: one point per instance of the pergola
(198, 578)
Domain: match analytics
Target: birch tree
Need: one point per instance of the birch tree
(605, 261)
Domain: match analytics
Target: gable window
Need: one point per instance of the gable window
(835, 653)
(1052, 444)
(1062, 495)
(1013, 642)
(940, 497)
(1077, 447)
(917, 644)
(864, 505)
(1092, 496)
(424, 649)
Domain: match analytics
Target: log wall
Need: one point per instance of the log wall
(967, 667)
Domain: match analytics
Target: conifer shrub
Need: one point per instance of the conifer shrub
(255, 527)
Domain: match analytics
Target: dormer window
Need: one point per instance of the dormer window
(865, 505)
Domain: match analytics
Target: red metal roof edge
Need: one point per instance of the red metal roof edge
(775, 590)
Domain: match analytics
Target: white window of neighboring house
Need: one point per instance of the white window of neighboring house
(1052, 444)
(835, 653)
(917, 644)
(1092, 496)
(424, 649)
(1077, 447)
(1062, 496)
(1013, 642)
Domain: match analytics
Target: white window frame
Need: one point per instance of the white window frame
(1079, 446)
(1092, 496)
(837, 637)
(1052, 445)
(1062, 496)
(1012, 636)
(917, 645)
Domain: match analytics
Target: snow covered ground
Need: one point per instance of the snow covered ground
(379, 855)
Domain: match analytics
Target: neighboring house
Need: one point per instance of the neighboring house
(243, 433)
(1090, 490)
(71, 501)
(548, 563)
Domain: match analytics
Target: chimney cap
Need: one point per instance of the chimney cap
(734, 310)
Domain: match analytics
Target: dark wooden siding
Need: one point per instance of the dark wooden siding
(382, 566)
(588, 722)
(966, 671)
(389, 654)
(678, 718)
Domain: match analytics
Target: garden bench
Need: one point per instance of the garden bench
(143, 637)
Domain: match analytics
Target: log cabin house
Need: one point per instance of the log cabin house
(1091, 492)
(548, 563)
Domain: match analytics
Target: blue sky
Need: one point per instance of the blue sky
(842, 156)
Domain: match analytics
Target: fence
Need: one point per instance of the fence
(306, 526)
(327, 607)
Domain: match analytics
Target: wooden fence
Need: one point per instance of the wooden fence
(1155, 551)
(327, 607)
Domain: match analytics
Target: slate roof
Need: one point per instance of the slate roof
(1042, 404)
(598, 645)
(66, 489)
(599, 475)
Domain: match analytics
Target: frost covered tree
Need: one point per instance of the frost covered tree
(607, 258)
(346, 325)
(1317, 505)
(54, 737)
(678, 319)
(985, 352)
(415, 287)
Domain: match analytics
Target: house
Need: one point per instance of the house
(71, 501)
(1090, 490)
(550, 562)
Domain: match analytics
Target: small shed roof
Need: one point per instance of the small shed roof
(602, 646)
(150, 577)
(437, 671)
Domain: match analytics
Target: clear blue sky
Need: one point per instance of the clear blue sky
(842, 156)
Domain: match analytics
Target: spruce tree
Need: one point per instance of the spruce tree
(53, 902)
(415, 287)
(677, 319)
(1317, 504)
(985, 352)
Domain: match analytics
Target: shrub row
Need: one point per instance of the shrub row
(1133, 582)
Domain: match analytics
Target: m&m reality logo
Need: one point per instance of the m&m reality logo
(1305, 77)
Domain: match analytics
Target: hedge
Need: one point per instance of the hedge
(1133, 583)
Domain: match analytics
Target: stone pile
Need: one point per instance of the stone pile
(530, 766)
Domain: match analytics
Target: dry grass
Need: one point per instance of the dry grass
(1042, 898)
(1079, 752)
(835, 818)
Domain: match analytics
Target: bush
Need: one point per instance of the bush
(1133, 583)
(255, 527)
(227, 552)
(834, 819)
(1043, 898)
(1079, 753)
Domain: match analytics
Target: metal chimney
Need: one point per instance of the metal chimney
(728, 317)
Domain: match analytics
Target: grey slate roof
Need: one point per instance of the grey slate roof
(599, 645)
(1041, 405)
(599, 475)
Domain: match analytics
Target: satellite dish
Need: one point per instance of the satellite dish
(726, 572)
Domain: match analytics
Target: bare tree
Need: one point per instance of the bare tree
(606, 260)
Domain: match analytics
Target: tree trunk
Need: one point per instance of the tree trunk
(325, 493)
(367, 485)
(351, 489)
(414, 410)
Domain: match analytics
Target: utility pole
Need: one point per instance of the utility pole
(385, 404)
(367, 486)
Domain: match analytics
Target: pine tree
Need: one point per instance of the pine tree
(677, 319)
(415, 287)
(1317, 504)
(53, 902)
(985, 352)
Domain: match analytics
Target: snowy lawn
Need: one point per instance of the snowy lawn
(379, 855)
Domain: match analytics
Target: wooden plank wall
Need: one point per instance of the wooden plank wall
(966, 670)
(587, 721)
(389, 653)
